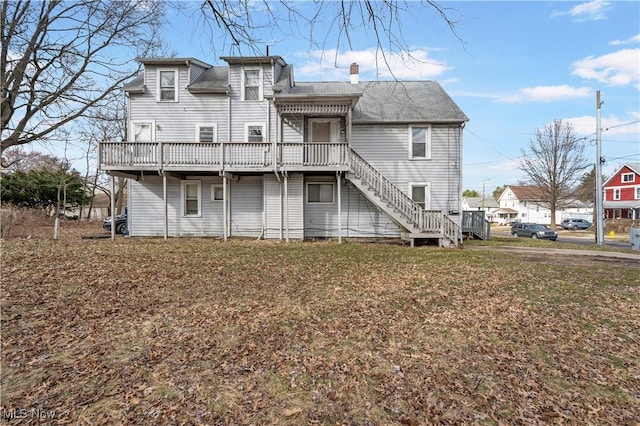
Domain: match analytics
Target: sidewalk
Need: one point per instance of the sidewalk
(566, 252)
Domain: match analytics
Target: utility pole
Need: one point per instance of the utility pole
(599, 194)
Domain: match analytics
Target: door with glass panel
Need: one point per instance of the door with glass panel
(322, 148)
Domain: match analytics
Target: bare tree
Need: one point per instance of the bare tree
(60, 59)
(555, 163)
(107, 124)
(249, 25)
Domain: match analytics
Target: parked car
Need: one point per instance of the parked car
(533, 230)
(575, 224)
(121, 223)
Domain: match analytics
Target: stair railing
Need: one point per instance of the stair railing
(423, 220)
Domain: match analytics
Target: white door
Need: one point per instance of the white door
(143, 152)
(323, 134)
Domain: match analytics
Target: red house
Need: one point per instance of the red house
(622, 193)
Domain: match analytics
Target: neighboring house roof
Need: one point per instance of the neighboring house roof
(480, 202)
(507, 210)
(635, 167)
(622, 204)
(527, 193)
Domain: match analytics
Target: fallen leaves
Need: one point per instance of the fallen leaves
(197, 331)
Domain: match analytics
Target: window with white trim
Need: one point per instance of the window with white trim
(420, 142)
(637, 192)
(217, 192)
(254, 132)
(191, 199)
(167, 86)
(616, 193)
(206, 132)
(320, 192)
(421, 193)
(143, 131)
(628, 177)
(252, 84)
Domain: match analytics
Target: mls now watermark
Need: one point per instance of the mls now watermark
(31, 413)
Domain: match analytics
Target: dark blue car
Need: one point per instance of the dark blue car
(121, 223)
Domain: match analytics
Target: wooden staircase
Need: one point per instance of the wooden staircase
(417, 223)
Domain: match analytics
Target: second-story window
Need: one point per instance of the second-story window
(628, 177)
(167, 85)
(420, 142)
(252, 87)
(206, 133)
(616, 193)
(254, 132)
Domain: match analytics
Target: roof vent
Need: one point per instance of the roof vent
(354, 70)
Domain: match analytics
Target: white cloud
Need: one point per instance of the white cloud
(611, 125)
(546, 94)
(590, 11)
(331, 65)
(631, 40)
(621, 68)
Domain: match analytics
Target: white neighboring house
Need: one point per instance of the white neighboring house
(488, 204)
(244, 150)
(528, 205)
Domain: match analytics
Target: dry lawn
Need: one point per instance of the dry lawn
(197, 331)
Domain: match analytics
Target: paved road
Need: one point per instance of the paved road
(563, 251)
(580, 238)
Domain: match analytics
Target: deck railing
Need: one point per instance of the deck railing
(236, 154)
(423, 220)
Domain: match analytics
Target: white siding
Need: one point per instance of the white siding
(246, 206)
(273, 207)
(360, 218)
(386, 148)
(176, 121)
(276, 213)
(146, 209)
(294, 221)
(292, 129)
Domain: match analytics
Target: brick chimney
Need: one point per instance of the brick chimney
(354, 70)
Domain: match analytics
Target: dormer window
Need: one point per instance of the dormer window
(167, 86)
(252, 85)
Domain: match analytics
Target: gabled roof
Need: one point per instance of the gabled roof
(635, 167)
(386, 101)
(406, 102)
(527, 193)
(479, 202)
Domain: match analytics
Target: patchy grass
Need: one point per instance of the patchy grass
(197, 331)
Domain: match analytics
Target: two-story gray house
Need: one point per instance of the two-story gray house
(245, 150)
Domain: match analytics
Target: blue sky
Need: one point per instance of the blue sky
(515, 67)
(512, 67)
